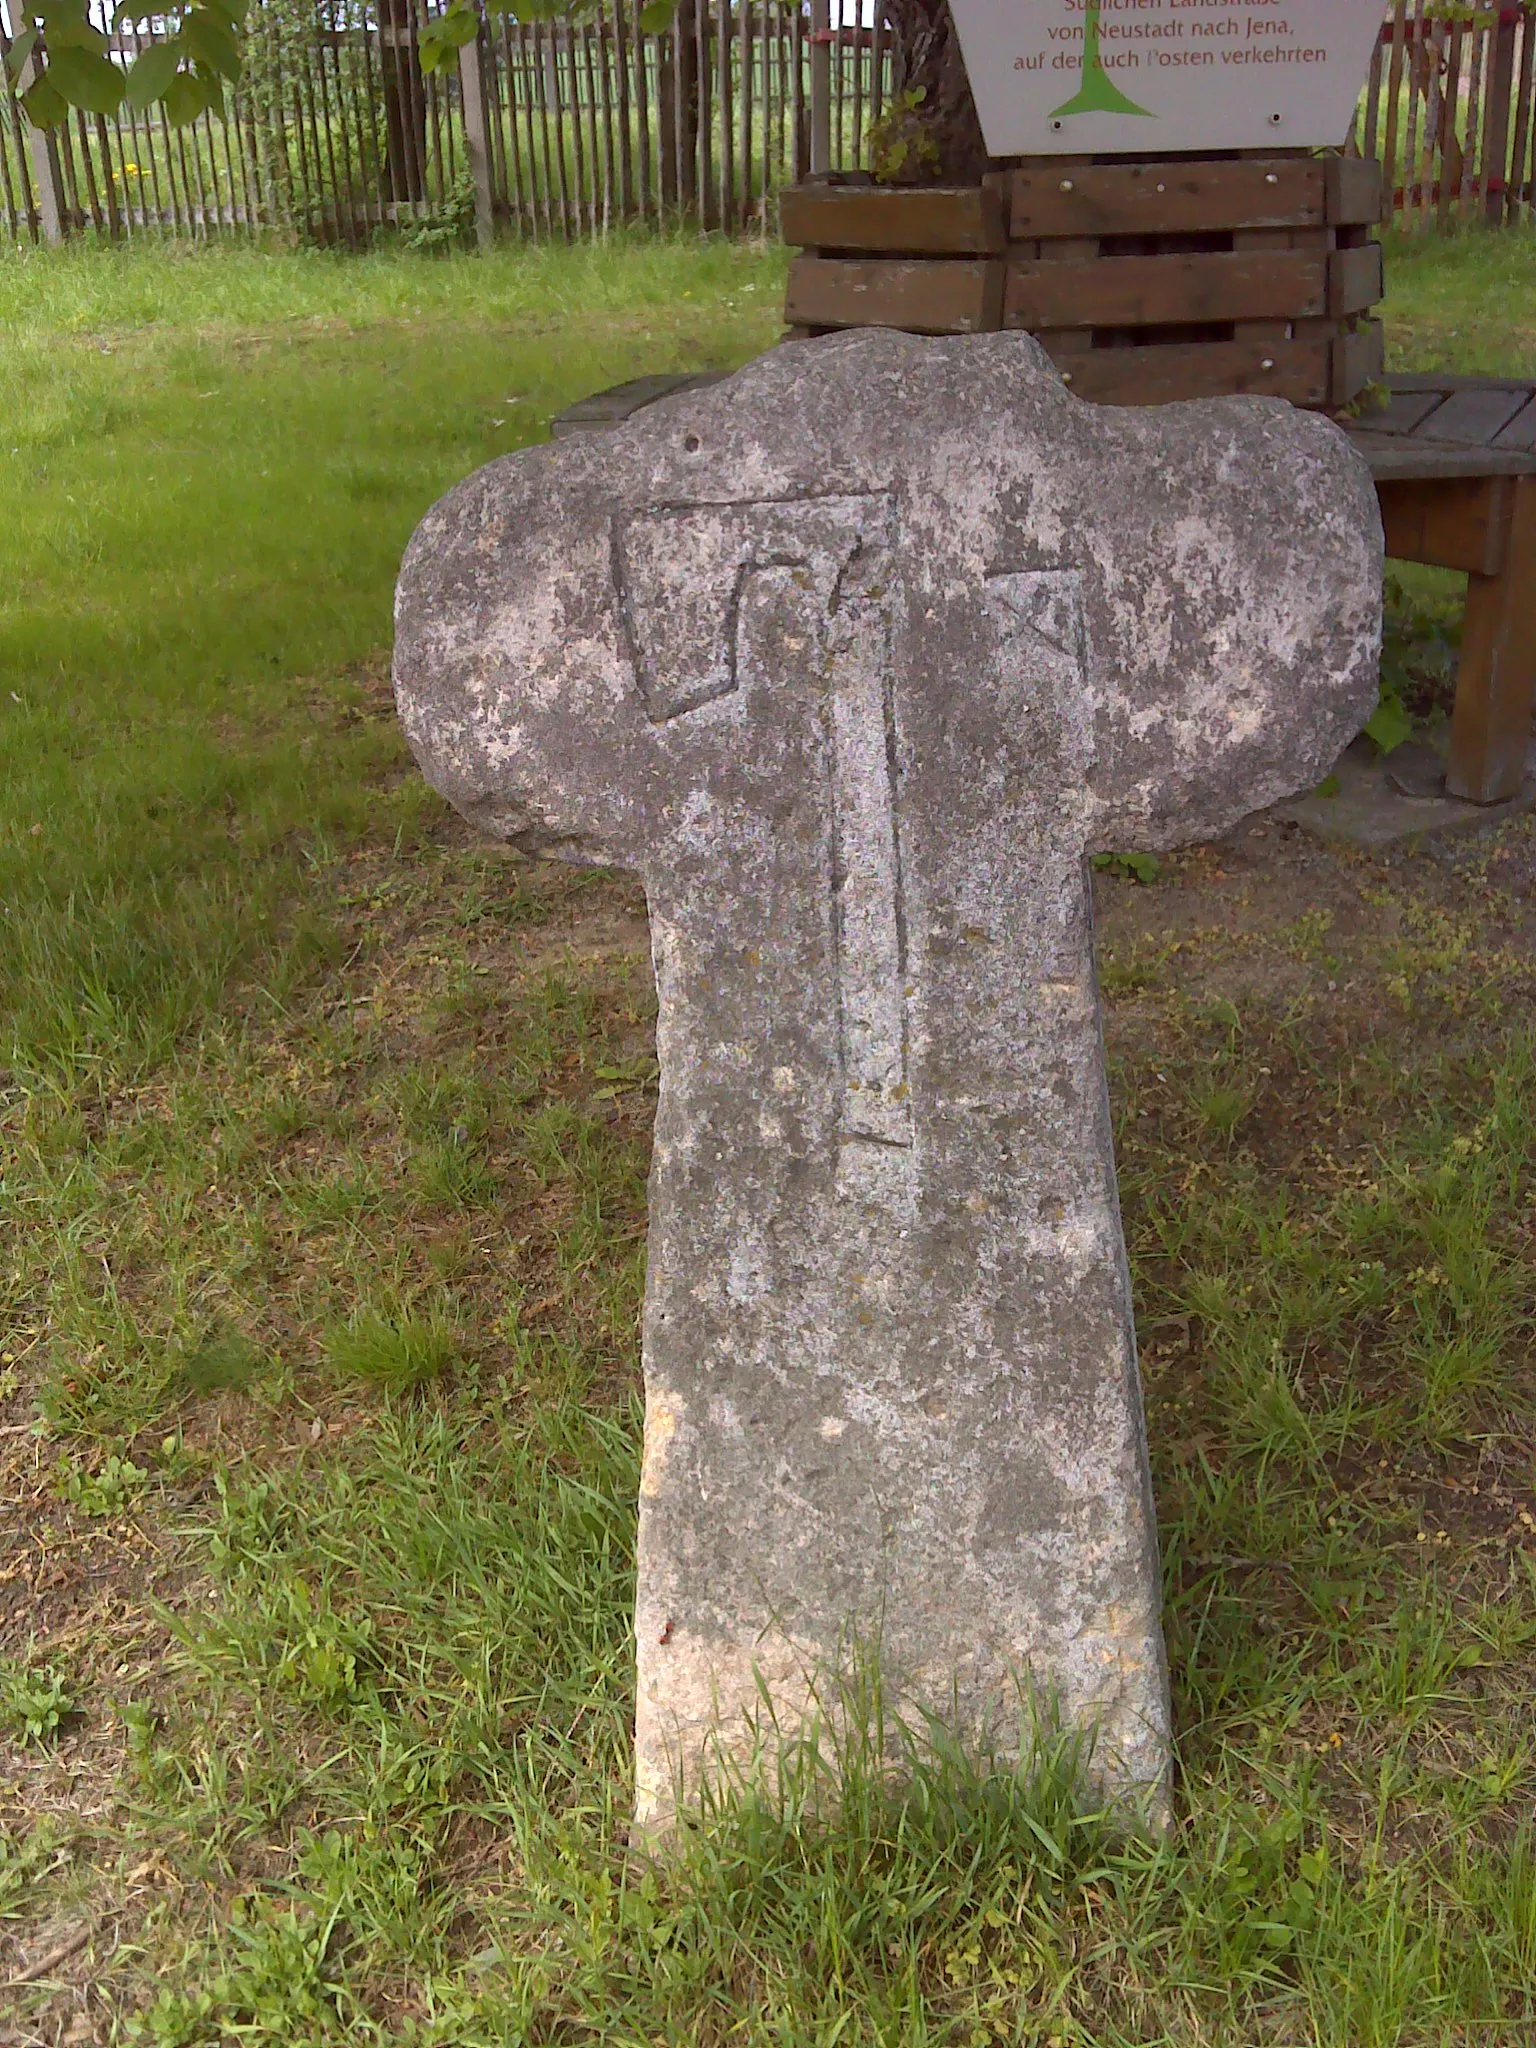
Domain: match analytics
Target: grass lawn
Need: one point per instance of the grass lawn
(323, 1141)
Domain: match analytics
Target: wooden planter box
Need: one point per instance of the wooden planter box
(1146, 282)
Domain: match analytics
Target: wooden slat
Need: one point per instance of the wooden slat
(1399, 458)
(954, 297)
(1356, 191)
(1356, 280)
(1149, 291)
(919, 222)
(1474, 416)
(1358, 360)
(1168, 198)
(1445, 381)
(1448, 89)
(1447, 522)
(1404, 411)
(1250, 239)
(1521, 431)
(1389, 155)
(1474, 172)
(1417, 64)
(1522, 122)
(1496, 680)
(1370, 141)
(1167, 373)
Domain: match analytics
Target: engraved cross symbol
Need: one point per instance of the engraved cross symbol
(690, 633)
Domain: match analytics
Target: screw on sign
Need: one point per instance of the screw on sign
(854, 659)
(1151, 76)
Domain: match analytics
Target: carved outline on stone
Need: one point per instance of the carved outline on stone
(1033, 600)
(875, 1125)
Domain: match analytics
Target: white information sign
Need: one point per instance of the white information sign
(1146, 77)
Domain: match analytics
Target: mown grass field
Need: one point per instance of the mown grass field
(323, 1139)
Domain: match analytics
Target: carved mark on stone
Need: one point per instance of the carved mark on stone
(1045, 602)
(867, 882)
(682, 575)
(1043, 658)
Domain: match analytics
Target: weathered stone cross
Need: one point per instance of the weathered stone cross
(855, 658)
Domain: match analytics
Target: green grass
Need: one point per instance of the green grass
(211, 463)
(323, 1141)
(1465, 302)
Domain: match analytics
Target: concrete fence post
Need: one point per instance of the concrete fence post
(477, 139)
(43, 164)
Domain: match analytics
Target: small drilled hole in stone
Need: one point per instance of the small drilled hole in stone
(691, 443)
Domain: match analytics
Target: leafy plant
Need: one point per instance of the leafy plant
(1130, 867)
(35, 1701)
(60, 59)
(283, 1986)
(1389, 725)
(900, 149)
(448, 226)
(118, 1485)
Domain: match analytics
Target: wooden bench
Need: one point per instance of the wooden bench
(1454, 459)
(621, 402)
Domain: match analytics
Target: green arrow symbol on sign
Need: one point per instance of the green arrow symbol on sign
(1098, 93)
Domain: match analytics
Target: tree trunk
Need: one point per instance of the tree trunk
(940, 130)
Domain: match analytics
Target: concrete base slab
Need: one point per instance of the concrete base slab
(1381, 800)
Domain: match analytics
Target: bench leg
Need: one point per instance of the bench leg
(1496, 684)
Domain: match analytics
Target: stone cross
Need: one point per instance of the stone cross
(855, 658)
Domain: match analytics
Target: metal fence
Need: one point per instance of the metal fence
(554, 129)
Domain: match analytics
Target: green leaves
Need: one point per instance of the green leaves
(85, 79)
(151, 76)
(184, 72)
(16, 56)
(1389, 724)
(443, 37)
(210, 41)
(35, 1700)
(189, 94)
(45, 105)
(1133, 867)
